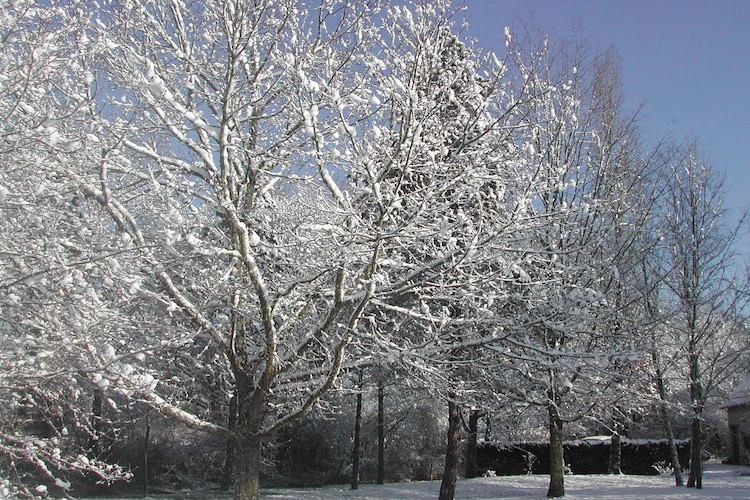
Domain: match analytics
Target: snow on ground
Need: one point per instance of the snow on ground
(719, 482)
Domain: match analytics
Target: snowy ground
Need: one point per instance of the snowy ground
(719, 482)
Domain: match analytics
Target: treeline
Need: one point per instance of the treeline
(236, 214)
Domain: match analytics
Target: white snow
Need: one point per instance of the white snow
(65, 485)
(254, 238)
(741, 394)
(719, 482)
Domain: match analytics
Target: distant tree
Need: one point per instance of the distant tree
(471, 446)
(463, 115)
(628, 182)
(703, 283)
(357, 444)
(565, 295)
(662, 358)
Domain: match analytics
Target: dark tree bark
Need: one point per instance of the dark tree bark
(471, 446)
(145, 455)
(248, 440)
(557, 460)
(695, 479)
(381, 433)
(96, 424)
(356, 450)
(615, 448)
(615, 454)
(247, 482)
(226, 481)
(450, 473)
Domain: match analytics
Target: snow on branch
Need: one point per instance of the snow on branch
(183, 416)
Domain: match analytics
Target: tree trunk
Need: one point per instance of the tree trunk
(96, 425)
(381, 434)
(615, 454)
(226, 481)
(247, 467)
(664, 413)
(471, 445)
(450, 473)
(248, 441)
(695, 479)
(356, 452)
(674, 455)
(557, 460)
(146, 443)
(615, 448)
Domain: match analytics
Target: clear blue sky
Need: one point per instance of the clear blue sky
(688, 59)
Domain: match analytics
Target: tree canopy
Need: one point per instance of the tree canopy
(216, 209)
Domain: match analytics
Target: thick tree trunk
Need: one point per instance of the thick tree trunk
(471, 445)
(355, 451)
(247, 467)
(557, 460)
(381, 433)
(452, 450)
(248, 441)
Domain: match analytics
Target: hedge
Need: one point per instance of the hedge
(581, 457)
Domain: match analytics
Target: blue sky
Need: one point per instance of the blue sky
(689, 60)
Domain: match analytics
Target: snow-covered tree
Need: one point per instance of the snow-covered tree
(247, 178)
(703, 284)
(565, 290)
(627, 183)
(214, 208)
(54, 258)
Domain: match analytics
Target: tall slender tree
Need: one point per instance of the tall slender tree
(567, 282)
(703, 282)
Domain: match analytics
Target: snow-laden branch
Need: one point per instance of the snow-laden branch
(167, 160)
(182, 416)
(190, 309)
